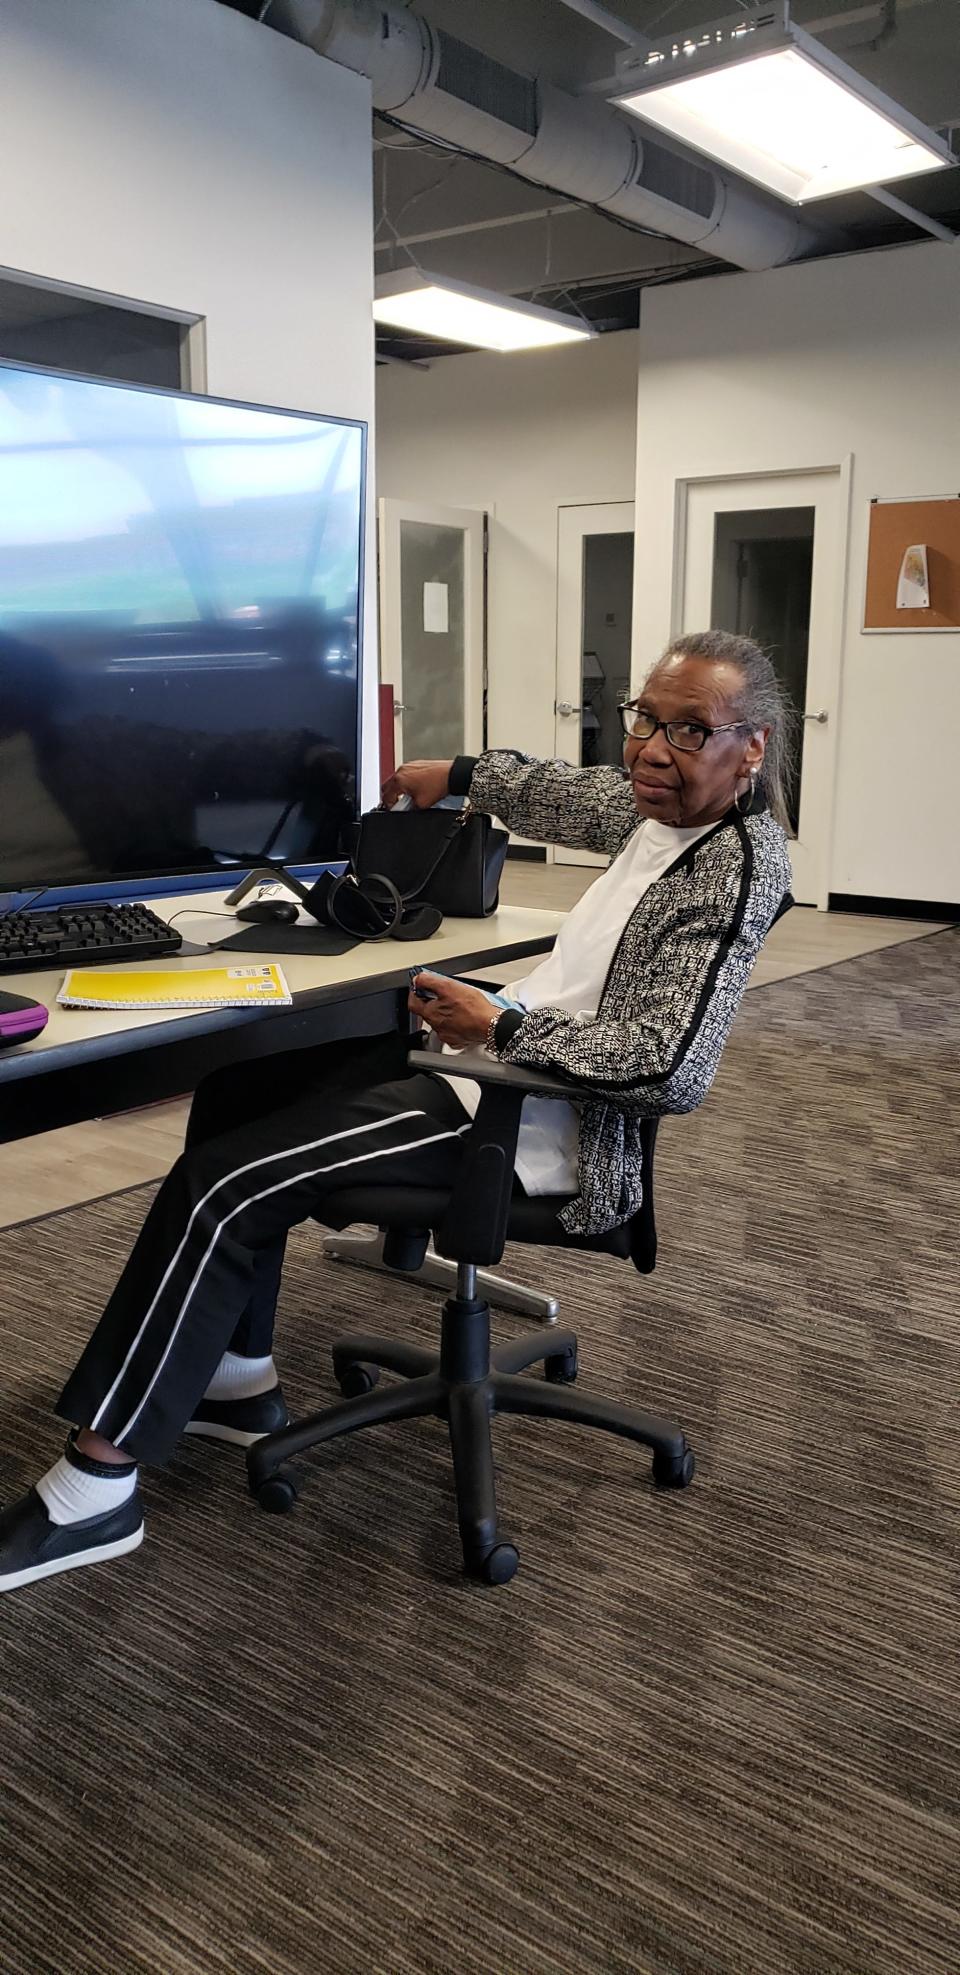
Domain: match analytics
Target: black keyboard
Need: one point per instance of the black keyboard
(75, 936)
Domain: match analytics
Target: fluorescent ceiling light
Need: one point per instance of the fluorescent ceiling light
(782, 110)
(431, 305)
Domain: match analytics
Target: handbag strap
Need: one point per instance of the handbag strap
(390, 907)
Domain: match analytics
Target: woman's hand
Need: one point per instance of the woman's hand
(425, 782)
(460, 1015)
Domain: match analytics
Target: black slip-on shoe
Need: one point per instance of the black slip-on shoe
(241, 1421)
(31, 1546)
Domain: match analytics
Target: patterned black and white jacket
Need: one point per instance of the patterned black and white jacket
(677, 973)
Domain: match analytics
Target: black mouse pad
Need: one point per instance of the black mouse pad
(305, 937)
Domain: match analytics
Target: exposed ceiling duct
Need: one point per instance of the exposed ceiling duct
(436, 84)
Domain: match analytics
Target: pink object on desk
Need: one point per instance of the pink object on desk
(20, 1019)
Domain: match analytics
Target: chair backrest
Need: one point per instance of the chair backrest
(536, 1219)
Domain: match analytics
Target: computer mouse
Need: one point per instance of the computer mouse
(270, 911)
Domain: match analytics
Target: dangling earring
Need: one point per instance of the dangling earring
(745, 809)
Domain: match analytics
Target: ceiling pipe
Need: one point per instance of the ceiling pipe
(433, 83)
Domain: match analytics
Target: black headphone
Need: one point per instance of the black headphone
(369, 910)
(364, 909)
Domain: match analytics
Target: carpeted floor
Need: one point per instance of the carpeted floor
(707, 1734)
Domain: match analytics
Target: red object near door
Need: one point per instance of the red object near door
(388, 760)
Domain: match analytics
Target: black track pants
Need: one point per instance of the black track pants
(267, 1146)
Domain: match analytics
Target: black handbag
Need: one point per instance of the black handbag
(450, 859)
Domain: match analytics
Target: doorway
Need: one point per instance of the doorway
(762, 586)
(594, 625)
(765, 557)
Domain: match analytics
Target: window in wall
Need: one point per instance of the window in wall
(51, 326)
(432, 559)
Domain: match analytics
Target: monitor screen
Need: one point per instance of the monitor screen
(179, 632)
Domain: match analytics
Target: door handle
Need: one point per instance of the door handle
(565, 707)
(821, 718)
(398, 707)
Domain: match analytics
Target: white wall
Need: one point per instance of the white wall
(520, 436)
(176, 153)
(799, 367)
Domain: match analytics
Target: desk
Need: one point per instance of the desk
(89, 1063)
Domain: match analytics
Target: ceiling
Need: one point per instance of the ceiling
(474, 221)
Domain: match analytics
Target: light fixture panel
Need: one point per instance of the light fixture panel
(455, 312)
(780, 109)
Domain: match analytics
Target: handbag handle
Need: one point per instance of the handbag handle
(415, 890)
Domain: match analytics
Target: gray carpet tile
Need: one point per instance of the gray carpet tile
(707, 1734)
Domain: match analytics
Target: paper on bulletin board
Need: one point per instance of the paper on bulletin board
(913, 582)
(436, 607)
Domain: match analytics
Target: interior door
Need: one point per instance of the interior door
(764, 556)
(432, 618)
(594, 619)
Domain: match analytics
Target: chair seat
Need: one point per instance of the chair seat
(413, 1209)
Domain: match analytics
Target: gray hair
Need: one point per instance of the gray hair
(761, 702)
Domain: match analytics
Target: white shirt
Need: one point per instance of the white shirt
(573, 977)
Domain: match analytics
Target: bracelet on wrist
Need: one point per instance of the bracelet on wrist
(490, 1045)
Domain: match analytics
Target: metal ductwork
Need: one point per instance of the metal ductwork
(580, 146)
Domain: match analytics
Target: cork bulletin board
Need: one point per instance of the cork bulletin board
(894, 527)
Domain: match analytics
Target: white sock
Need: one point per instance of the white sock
(241, 1378)
(70, 1494)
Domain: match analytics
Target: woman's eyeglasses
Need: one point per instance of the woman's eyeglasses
(687, 735)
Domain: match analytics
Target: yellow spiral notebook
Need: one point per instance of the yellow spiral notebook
(166, 987)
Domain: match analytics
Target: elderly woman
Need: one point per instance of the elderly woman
(633, 1006)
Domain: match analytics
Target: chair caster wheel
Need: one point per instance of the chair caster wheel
(678, 1472)
(277, 1494)
(497, 1567)
(356, 1380)
(561, 1369)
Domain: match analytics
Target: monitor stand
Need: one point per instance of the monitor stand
(266, 874)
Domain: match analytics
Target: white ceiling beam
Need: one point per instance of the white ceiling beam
(925, 221)
(590, 10)
(856, 17)
(475, 226)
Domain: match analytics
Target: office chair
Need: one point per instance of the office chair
(466, 1383)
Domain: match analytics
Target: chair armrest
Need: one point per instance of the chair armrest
(487, 1070)
(474, 1228)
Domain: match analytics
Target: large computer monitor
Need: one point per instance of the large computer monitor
(180, 596)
